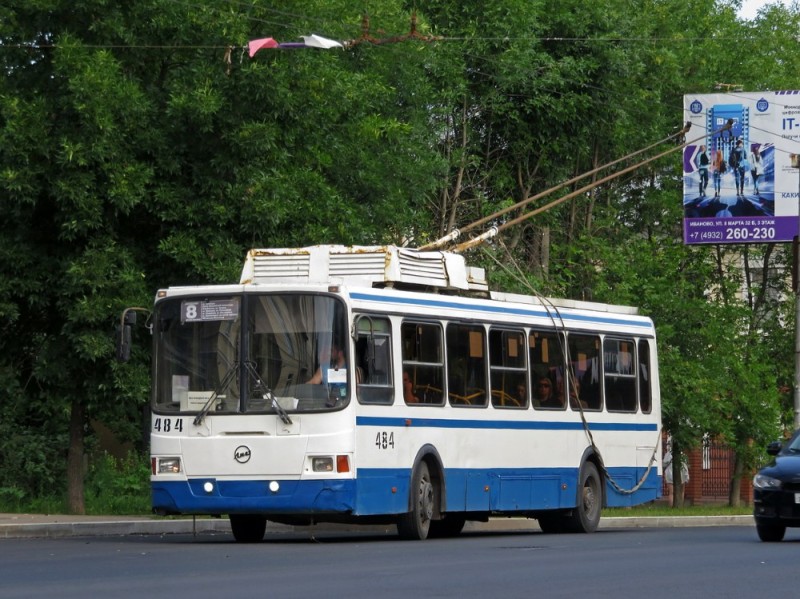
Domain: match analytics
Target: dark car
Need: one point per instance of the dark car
(776, 491)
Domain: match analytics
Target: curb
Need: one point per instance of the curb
(110, 528)
(125, 527)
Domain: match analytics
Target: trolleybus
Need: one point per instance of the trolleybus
(390, 385)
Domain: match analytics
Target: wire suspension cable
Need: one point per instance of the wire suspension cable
(558, 323)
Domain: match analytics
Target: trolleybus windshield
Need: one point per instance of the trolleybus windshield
(233, 354)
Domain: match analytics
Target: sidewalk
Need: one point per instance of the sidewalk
(19, 526)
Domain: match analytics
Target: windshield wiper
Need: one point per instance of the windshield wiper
(273, 401)
(223, 384)
(259, 384)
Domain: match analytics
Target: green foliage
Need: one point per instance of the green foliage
(140, 147)
(112, 486)
(118, 486)
(32, 461)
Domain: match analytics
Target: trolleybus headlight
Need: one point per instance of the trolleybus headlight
(166, 465)
(324, 464)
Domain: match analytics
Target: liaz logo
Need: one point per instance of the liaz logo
(242, 454)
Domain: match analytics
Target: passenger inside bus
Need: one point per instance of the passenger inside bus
(544, 397)
(408, 389)
(575, 395)
(522, 395)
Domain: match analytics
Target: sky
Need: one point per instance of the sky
(750, 7)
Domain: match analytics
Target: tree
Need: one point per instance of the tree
(133, 156)
(141, 147)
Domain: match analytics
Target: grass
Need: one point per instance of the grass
(103, 505)
(661, 509)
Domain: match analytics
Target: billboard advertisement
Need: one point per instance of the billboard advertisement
(739, 185)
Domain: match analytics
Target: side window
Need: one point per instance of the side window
(466, 365)
(619, 369)
(583, 373)
(645, 393)
(373, 361)
(547, 370)
(423, 365)
(507, 368)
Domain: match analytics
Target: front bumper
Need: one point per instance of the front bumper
(211, 496)
(778, 506)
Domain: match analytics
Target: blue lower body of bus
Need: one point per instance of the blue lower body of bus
(386, 491)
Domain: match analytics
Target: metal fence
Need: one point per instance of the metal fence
(717, 470)
(710, 470)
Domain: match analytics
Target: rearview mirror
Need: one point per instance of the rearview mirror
(124, 337)
(774, 447)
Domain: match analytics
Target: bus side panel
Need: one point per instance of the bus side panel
(468, 490)
(627, 478)
(386, 491)
(382, 491)
(534, 489)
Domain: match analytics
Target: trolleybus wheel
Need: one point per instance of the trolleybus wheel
(586, 515)
(449, 526)
(248, 528)
(551, 523)
(415, 524)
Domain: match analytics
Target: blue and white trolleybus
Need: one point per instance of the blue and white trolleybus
(390, 385)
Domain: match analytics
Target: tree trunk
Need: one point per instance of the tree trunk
(677, 481)
(735, 497)
(451, 201)
(75, 460)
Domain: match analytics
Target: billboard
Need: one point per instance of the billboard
(739, 185)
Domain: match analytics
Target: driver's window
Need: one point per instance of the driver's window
(374, 360)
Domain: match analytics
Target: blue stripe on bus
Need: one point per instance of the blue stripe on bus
(430, 303)
(332, 496)
(377, 491)
(502, 424)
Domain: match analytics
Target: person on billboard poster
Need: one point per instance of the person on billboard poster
(717, 169)
(702, 162)
(738, 162)
(756, 167)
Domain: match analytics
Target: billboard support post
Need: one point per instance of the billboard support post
(795, 161)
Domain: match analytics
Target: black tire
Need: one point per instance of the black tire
(770, 533)
(449, 526)
(248, 528)
(551, 523)
(586, 515)
(416, 524)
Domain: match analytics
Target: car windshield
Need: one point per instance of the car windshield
(247, 353)
(793, 446)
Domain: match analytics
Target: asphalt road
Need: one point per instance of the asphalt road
(724, 561)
